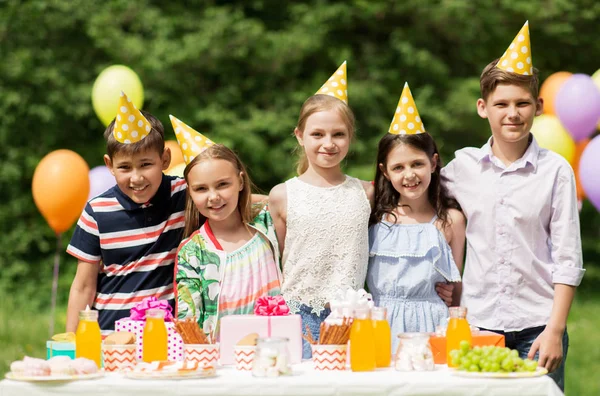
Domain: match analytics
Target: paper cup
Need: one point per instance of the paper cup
(203, 354)
(329, 357)
(118, 357)
(244, 356)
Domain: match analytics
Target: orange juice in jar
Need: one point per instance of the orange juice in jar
(458, 330)
(154, 339)
(362, 342)
(88, 340)
(383, 337)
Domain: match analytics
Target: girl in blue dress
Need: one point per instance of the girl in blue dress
(416, 232)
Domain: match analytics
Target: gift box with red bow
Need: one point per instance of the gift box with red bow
(271, 319)
(137, 319)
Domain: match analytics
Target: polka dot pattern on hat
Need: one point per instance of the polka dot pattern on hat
(406, 117)
(337, 85)
(130, 125)
(191, 142)
(517, 58)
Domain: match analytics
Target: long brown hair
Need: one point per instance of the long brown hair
(386, 196)
(193, 218)
(315, 104)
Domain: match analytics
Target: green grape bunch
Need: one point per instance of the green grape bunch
(490, 359)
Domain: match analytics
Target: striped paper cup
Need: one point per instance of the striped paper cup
(244, 356)
(203, 354)
(329, 357)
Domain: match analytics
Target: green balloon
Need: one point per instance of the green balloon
(107, 90)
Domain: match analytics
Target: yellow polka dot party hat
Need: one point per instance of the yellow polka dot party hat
(130, 125)
(337, 85)
(406, 119)
(517, 57)
(191, 142)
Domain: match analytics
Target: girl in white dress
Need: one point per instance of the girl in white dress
(321, 217)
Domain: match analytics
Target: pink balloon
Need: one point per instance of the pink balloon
(100, 180)
(577, 106)
(588, 171)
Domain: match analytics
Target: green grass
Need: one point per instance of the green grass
(24, 332)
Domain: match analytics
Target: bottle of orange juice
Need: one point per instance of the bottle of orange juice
(362, 341)
(458, 330)
(154, 338)
(88, 340)
(383, 337)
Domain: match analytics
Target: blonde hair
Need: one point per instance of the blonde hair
(492, 76)
(193, 218)
(315, 104)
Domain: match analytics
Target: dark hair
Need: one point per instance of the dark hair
(386, 196)
(154, 141)
(315, 104)
(492, 76)
(193, 218)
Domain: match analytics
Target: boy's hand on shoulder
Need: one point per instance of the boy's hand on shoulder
(445, 290)
(549, 344)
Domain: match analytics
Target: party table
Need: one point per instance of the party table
(304, 381)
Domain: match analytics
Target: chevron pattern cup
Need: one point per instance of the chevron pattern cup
(203, 354)
(329, 357)
(118, 357)
(244, 357)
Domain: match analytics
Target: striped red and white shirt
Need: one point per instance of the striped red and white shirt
(136, 244)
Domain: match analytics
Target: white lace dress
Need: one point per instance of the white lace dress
(326, 243)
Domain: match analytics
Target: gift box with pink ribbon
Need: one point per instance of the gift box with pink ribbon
(137, 319)
(271, 319)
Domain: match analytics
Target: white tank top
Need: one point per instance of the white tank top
(326, 242)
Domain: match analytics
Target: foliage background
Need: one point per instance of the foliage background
(239, 71)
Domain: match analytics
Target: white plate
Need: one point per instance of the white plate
(171, 375)
(525, 374)
(48, 378)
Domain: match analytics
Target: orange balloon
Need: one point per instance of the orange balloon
(579, 147)
(176, 154)
(549, 89)
(60, 188)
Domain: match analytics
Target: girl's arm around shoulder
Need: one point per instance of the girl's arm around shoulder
(278, 210)
(370, 191)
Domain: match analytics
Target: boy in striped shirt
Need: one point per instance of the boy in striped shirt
(126, 238)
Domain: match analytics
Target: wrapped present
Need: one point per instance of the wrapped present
(60, 348)
(271, 319)
(135, 324)
(480, 338)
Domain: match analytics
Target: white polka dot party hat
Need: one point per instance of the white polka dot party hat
(191, 142)
(517, 57)
(130, 125)
(337, 85)
(406, 119)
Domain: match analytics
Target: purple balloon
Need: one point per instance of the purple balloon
(577, 106)
(100, 180)
(588, 171)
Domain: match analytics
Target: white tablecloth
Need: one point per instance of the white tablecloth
(304, 382)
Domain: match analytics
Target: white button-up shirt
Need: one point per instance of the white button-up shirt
(523, 234)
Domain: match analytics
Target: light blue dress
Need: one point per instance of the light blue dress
(405, 263)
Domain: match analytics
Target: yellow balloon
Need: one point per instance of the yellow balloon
(107, 90)
(176, 170)
(596, 79)
(550, 134)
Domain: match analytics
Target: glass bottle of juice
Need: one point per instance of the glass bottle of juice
(383, 337)
(88, 340)
(457, 331)
(362, 341)
(154, 338)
